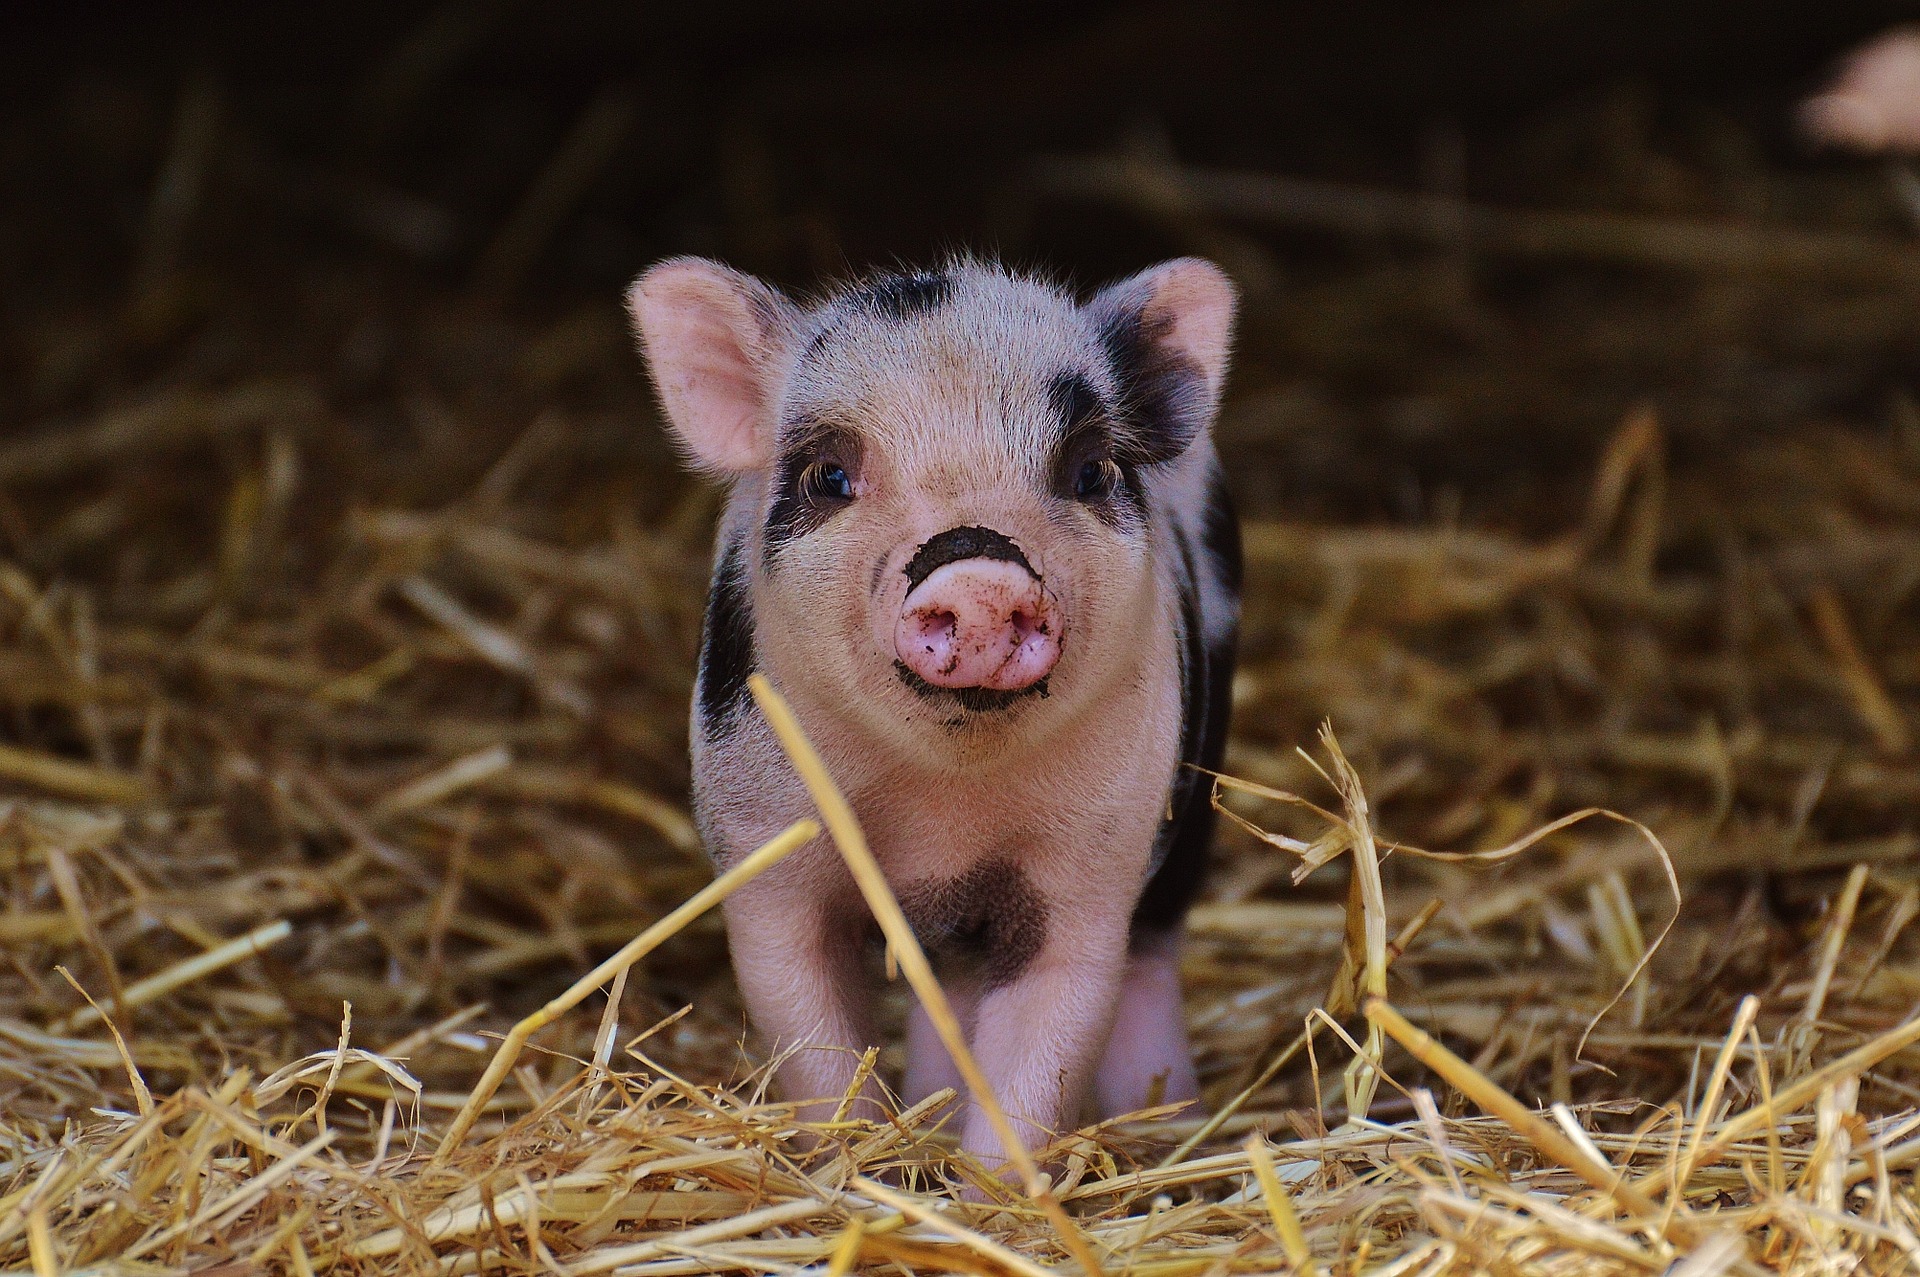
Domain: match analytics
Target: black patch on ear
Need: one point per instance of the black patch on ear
(975, 700)
(726, 645)
(956, 544)
(902, 297)
(1207, 699)
(1164, 395)
(1220, 531)
(990, 915)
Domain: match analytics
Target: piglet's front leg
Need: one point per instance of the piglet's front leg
(1039, 1034)
(801, 975)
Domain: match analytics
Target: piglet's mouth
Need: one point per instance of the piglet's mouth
(975, 700)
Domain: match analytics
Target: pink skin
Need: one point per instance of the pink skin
(1148, 1046)
(929, 1067)
(979, 623)
(1874, 105)
(1147, 1050)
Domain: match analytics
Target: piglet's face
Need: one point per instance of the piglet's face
(942, 505)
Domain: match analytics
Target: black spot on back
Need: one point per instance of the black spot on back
(1164, 400)
(956, 544)
(1220, 531)
(902, 297)
(990, 915)
(1207, 702)
(726, 644)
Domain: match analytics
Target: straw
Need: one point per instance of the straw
(350, 613)
(751, 866)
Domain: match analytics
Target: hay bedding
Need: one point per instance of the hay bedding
(344, 652)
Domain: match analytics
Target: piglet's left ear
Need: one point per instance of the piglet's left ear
(713, 339)
(1168, 330)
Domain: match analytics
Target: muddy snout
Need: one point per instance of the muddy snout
(979, 622)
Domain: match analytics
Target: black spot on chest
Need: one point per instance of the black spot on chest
(990, 916)
(726, 644)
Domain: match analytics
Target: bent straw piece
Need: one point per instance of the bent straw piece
(1205, 1132)
(920, 1212)
(847, 835)
(1475, 1085)
(776, 849)
(142, 1096)
(1367, 897)
(1765, 1116)
(180, 973)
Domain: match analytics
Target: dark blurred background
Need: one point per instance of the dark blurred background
(256, 181)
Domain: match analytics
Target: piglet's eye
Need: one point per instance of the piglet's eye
(1094, 482)
(829, 481)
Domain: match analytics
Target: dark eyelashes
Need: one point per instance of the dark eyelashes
(821, 475)
(1085, 469)
(825, 479)
(815, 482)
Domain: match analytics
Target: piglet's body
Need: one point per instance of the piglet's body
(976, 536)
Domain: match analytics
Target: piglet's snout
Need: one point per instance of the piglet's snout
(979, 623)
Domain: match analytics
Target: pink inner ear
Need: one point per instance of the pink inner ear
(1197, 298)
(711, 389)
(705, 340)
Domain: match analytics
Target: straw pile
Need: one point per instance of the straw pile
(346, 630)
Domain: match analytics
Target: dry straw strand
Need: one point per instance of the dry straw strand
(776, 849)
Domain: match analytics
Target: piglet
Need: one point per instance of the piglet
(975, 533)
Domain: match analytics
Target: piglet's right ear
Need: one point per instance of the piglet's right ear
(713, 339)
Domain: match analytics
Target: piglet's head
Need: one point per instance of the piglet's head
(942, 510)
